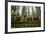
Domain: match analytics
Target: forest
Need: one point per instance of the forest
(25, 16)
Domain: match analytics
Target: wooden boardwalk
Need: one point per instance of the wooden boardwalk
(28, 21)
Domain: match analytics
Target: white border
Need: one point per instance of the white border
(24, 29)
